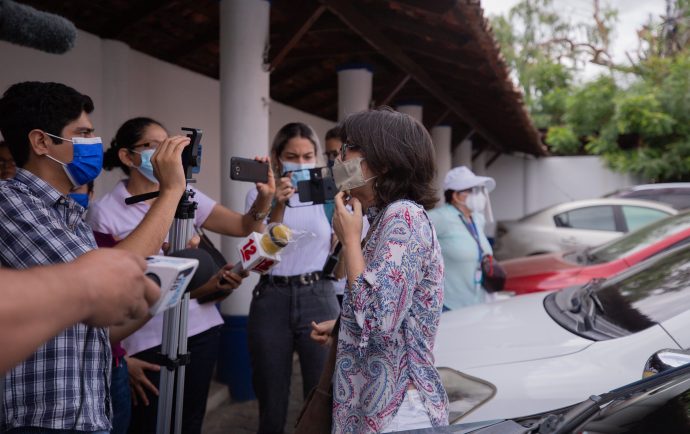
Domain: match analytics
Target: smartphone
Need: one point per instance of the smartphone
(248, 170)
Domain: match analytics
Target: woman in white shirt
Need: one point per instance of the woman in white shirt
(131, 151)
(294, 294)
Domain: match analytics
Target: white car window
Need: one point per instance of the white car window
(637, 216)
(598, 218)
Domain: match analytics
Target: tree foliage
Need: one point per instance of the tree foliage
(635, 115)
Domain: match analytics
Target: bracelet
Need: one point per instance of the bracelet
(257, 215)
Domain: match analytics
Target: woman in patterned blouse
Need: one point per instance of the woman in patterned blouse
(385, 378)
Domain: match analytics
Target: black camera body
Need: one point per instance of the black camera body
(319, 188)
(191, 156)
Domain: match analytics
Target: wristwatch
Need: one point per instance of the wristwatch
(258, 215)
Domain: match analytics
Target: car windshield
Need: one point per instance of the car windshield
(651, 292)
(638, 240)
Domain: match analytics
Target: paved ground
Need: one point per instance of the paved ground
(226, 417)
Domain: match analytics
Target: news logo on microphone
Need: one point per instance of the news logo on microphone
(261, 252)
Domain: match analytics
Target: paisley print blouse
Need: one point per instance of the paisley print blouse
(388, 325)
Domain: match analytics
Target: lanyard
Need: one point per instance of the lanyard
(472, 229)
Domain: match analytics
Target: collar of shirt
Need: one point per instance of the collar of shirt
(48, 194)
(372, 213)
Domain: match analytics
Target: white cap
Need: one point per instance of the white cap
(461, 178)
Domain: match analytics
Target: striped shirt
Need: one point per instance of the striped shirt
(66, 382)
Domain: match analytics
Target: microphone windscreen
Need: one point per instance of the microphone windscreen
(24, 25)
(207, 266)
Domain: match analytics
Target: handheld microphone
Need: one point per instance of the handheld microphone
(26, 26)
(258, 253)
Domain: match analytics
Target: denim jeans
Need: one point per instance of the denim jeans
(120, 397)
(204, 353)
(51, 431)
(279, 324)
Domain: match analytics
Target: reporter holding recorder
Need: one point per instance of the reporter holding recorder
(394, 297)
(131, 150)
(287, 300)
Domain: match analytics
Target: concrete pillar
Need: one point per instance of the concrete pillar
(412, 109)
(244, 109)
(354, 89)
(462, 154)
(441, 136)
(116, 91)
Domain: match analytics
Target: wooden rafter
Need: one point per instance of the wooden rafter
(398, 87)
(441, 118)
(142, 11)
(370, 32)
(297, 36)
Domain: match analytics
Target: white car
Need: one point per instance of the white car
(575, 225)
(544, 351)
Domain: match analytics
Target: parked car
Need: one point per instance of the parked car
(577, 267)
(577, 224)
(655, 404)
(675, 194)
(543, 351)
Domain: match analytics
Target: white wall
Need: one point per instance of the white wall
(124, 83)
(528, 184)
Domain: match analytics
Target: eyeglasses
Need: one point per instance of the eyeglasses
(345, 147)
(149, 145)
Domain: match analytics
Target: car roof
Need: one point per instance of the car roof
(576, 204)
(658, 186)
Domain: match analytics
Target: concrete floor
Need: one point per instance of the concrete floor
(226, 417)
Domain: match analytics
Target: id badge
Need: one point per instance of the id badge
(478, 277)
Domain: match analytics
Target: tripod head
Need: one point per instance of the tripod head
(191, 164)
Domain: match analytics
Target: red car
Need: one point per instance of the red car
(564, 269)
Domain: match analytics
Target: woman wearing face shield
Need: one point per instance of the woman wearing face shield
(460, 225)
(384, 379)
(294, 293)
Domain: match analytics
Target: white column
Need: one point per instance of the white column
(354, 89)
(115, 103)
(414, 110)
(441, 136)
(244, 89)
(462, 154)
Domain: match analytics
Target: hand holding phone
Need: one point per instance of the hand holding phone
(248, 170)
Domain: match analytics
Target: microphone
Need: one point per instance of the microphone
(258, 253)
(207, 267)
(26, 26)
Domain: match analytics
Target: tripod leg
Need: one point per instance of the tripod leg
(179, 402)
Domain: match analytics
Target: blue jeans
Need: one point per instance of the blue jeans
(120, 397)
(280, 319)
(29, 430)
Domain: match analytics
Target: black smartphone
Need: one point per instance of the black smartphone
(245, 169)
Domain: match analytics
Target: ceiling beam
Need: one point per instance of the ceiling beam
(143, 9)
(398, 87)
(441, 118)
(296, 37)
(370, 32)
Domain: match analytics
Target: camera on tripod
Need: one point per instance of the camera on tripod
(191, 155)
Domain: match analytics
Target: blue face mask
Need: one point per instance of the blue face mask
(300, 172)
(146, 167)
(87, 160)
(81, 198)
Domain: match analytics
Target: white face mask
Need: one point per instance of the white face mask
(476, 201)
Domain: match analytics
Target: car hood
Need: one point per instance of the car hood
(509, 331)
(537, 264)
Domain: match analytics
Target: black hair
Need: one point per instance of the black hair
(127, 135)
(398, 149)
(448, 195)
(33, 105)
(288, 132)
(334, 133)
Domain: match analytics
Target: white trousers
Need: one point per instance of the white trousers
(410, 415)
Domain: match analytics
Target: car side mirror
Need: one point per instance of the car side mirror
(663, 360)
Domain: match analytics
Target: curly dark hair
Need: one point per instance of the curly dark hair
(398, 149)
(35, 105)
(127, 135)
